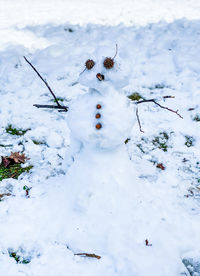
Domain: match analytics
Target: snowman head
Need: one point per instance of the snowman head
(104, 68)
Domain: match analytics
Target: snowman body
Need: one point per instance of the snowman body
(100, 181)
(101, 120)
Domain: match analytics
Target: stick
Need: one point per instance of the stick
(45, 82)
(161, 106)
(138, 119)
(115, 51)
(62, 107)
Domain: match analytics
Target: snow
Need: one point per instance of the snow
(93, 211)
(82, 121)
(99, 12)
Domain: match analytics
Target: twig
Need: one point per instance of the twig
(62, 110)
(138, 119)
(83, 71)
(115, 51)
(168, 97)
(147, 243)
(45, 82)
(88, 255)
(62, 107)
(161, 106)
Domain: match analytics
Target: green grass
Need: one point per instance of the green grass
(36, 142)
(58, 99)
(135, 97)
(161, 141)
(19, 259)
(140, 146)
(157, 86)
(127, 140)
(16, 131)
(5, 146)
(68, 30)
(13, 171)
(197, 118)
(189, 141)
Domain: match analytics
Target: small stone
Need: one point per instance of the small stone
(98, 106)
(98, 115)
(98, 126)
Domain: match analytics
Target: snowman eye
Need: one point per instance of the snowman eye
(89, 64)
(108, 63)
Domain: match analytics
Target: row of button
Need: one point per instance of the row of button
(98, 116)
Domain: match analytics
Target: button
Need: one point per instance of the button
(98, 106)
(98, 126)
(98, 115)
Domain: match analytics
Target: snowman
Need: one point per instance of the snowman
(100, 181)
(99, 206)
(99, 174)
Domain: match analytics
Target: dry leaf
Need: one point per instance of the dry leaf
(88, 255)
(160, 166)
(6, 162)
(17, 157)
(5, 194)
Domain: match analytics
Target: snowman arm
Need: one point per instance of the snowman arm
(161, 106)
(155, 102)
(62, 108)
(59, 106)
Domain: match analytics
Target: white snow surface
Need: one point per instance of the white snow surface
(135, 200)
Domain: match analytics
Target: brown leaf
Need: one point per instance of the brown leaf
(5, 194)
(88, 255)
(6, 162)
(160, 166)
(17, 157)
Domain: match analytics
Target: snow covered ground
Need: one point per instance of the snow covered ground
(165, 210)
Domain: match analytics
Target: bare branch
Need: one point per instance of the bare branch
(138, 119)
(161, 106)
(45, 82)
(62, 107)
